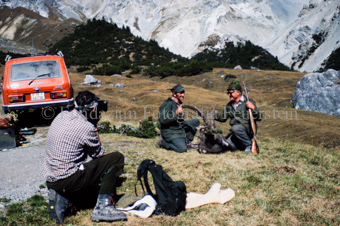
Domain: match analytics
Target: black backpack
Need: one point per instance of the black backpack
(170, 195)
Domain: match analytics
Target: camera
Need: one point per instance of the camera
(102, 105)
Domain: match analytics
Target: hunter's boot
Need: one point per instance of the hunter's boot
(105, 211)
(158, 143)
(58, 205)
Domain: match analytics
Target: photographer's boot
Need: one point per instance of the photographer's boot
(57, 206)
(105, 211)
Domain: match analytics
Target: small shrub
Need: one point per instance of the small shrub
(147, 129)
(104, 127)
(36, 200)
(31, 212)
(254, 180)
(3, 220)
(135, 70)
(83, 68)
(15, 209)
(5, 200)
(229, 76)
(219, 131)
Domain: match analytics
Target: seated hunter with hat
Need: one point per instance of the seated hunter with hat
(176, 134)
(236, 110)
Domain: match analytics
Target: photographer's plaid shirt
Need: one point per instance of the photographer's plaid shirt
(70, 139)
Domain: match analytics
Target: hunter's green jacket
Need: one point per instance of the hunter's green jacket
(172, 125)
(239, 116)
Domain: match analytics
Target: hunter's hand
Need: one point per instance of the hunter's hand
(250, 105)
(179, 109)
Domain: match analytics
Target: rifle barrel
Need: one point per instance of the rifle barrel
(255, 149)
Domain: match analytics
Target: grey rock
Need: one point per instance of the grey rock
(238, 67)
(119, 85)
(221, 72)
(319, 92)
(90, 80)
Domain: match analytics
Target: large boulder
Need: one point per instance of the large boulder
(90, 80)
(319, 92)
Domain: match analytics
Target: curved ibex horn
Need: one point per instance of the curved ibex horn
(194, 108)
(209, 123)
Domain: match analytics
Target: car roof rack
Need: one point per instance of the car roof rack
(8, 57)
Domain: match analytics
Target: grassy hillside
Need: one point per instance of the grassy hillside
(287, 184)
(272, 91)
(293, 181)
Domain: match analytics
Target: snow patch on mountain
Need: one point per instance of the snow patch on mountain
(296, 47)
(186, 27)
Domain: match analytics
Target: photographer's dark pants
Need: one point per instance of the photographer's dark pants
(98, 176)
(180, 144)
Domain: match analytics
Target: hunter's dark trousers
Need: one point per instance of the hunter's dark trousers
(180, 144)
(98, 176)
(239, 137)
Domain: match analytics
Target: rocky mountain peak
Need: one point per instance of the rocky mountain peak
(284, 28)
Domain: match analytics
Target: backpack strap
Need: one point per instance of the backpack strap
(145, 176)
(142, 171)
(136, 186)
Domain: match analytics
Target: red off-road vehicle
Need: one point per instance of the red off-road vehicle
(36, 82)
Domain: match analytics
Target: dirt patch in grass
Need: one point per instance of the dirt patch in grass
(309, 187)
(284, 169)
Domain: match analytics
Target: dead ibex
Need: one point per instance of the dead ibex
(208, 141)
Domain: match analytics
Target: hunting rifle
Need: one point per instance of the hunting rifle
(254, 147)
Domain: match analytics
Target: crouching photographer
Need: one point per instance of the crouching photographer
(73, 181)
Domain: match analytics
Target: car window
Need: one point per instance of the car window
(34, 69)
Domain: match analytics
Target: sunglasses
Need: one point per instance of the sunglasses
(230, 93)
(182, 92)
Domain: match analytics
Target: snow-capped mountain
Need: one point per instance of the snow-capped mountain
(300, 33)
